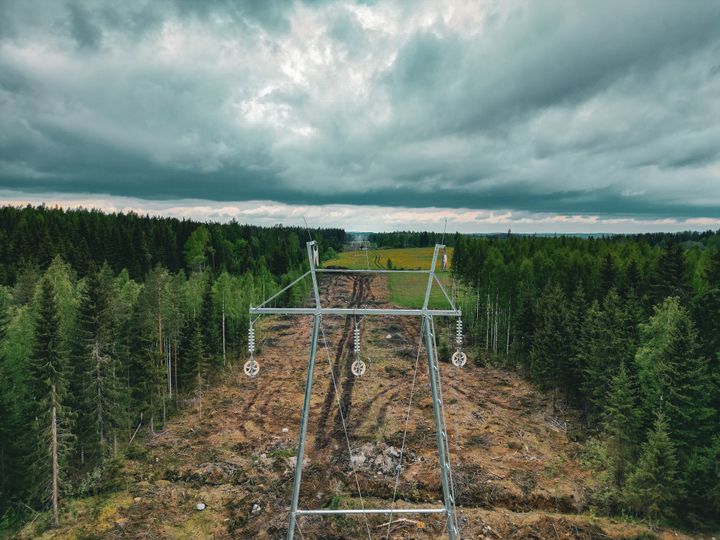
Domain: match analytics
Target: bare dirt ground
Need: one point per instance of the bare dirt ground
(516, 472)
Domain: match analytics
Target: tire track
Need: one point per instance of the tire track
(361, 293)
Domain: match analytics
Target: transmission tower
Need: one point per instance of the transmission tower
(428, 328)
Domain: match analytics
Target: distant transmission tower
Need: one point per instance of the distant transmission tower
(428, 328)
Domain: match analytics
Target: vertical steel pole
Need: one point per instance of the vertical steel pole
(439, 426)
(303, 428)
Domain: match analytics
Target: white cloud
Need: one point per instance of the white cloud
(366, 218)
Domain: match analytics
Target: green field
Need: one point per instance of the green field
(402, 258)
(406, 290)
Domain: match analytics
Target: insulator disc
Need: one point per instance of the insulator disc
(251, 368)
(459, 358)
(358, 368)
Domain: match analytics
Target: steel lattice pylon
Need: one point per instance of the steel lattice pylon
(428, 327)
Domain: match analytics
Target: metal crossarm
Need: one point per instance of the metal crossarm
(356, 311)
(428, 331)
(329, 512)
(366, 271)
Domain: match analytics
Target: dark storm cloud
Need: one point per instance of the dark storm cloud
(542, 55)
(605, 108)
(82, 29)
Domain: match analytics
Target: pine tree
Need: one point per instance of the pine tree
(622, 422)
(49, 433)
(653, 488)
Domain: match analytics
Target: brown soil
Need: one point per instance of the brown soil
(516, 472)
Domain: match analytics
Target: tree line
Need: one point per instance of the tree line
(405, 239)
(33, 236)
(93, 357)
(627, 329)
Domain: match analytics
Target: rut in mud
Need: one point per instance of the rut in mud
(360, 295)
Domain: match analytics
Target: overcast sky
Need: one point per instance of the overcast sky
(535, 115)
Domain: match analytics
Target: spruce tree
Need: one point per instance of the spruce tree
(96, 372)
(706, 309)
(525, 321)
(607, 340)
(143, 371)
(592, 362)
(701, 482)
(607, 275)
(7, 433)
(653, 488)
(712, 272)
(669, 276)
(195, 364)
(675, 378)
(208, 322)
(632, 279)
(551, 354)
(50, 437)
(621, 423)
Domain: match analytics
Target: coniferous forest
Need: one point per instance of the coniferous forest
(111, 323)
(625, 329)
(108, 324)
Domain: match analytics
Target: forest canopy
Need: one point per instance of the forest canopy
(109, 323)
(627, 330)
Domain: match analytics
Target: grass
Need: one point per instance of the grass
(406, 290)
(282, 453)
(87, 517)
